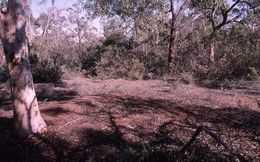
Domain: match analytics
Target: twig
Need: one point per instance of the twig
(193, 138)
(215, 137)
(68, 123)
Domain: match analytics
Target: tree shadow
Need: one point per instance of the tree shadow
(238, 118)
(55, 111)
(13, 149)
(237, 121)
(94, 145)
(102, 146)
(164, 144)
(51, 94)
(43, 93)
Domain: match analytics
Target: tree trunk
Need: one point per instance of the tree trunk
(172, 35)
(49, 18)
(27, 118)
(212, 52)
(212, 47)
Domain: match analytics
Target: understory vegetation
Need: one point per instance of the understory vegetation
(148, 40)
(132, 81)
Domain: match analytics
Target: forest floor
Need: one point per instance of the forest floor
(118, 120)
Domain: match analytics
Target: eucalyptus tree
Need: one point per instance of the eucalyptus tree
(78, 26)
(13, 23)
(143, 19)
(220, 13)
(148, 19)
(50, 17)
(176, 9)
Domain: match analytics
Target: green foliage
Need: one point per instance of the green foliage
(135, 42)
(3, 74)
(46, 71)
(255, 74)
(238, 51)
(124, 8)
(118, 57)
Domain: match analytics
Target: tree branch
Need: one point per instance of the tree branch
(232, 6)
(250, 5)
(225, 20)
(180, 9)
(215, 137)
(225, 16)
(233, 19)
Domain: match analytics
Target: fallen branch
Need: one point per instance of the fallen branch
(68, 123)
(215, 137)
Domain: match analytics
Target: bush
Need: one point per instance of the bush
(120, 57)
(46, 71)
(236, 54)
(3, 74)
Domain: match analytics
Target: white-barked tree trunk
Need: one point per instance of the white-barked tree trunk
(27, 117)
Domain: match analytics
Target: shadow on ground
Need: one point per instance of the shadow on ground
(238, 127)
(49, 92)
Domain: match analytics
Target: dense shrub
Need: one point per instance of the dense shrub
(237, 56)
(3, 74)
(120, 57)
(46, 71)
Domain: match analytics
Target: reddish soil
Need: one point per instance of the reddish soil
(119, 120)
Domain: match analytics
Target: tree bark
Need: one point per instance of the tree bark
(212, 52)
(49, 18)
(212, 47)
(212, 44)
(27, 118)
(172, 35)
(216, 27)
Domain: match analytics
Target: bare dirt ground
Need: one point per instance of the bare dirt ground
(120, 120)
